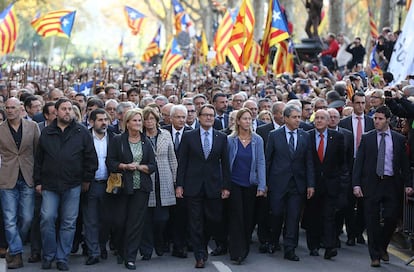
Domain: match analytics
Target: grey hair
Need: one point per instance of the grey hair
(178, 107)
(289, 109)
(121, 106)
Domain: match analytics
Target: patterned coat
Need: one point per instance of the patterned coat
(167, 169)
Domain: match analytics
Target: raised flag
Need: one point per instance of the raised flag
(55, 23)
(121, 48)
(276, 31)
(182, 20)
(172, 59)
(204, 46)
(373, 62)
(402, 59)
(153, 48)
(372, 25)
(135, 19)
(255, 54)
(9, 28)
(283, 61)
(223, 35)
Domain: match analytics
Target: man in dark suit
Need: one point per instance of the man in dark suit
(254, 108)
(269, 243)
(358, 123)
(290, 176)
(328, 160)
(178, 218)
(203, 178)
(381, 171)
(220, 103)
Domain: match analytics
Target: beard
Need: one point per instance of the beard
(101, 130)
(66, 120)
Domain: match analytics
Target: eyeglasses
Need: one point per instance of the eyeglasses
(207, 115)
(376, 97)
(238, 100)
(191, 111)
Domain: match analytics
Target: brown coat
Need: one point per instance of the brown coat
(12, 158)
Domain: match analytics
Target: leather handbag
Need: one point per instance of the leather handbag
(114, 183)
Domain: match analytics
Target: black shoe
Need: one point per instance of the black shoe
(314, 252)
(46, 265)
(361, 240)
(159, 251)
(75, 247)
(104, 254)
(350, 242)
(238, 260)
(276, 247)
(146, 257)
(338, 243)
(34, 258)
(291, 256)
(164, 249)
(130, 265)
(119, 259)
(179, 253)
(62, 266)
(84, 249)
(330, 253)
(219, 251)
(263, 248)
(92, 260)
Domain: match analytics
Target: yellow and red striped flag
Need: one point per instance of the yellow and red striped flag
(54, 23)
(283, 62)
(153, 48)
(276, 31)
(255, 54)
(372, 25)
(172, 59)
(135, 19)
(9, 28)
(223, 36)
(121, 48)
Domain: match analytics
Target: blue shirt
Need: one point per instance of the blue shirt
(240, 173)
(295, 136)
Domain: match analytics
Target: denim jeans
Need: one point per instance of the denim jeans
(65, 204)
(18, 207)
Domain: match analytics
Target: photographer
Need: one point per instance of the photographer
(357, 51)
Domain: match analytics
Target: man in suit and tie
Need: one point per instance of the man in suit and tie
(220, 103)
(381, 171)
(328, 161)
(254, 108)
(191, 120)
(18, 143)
(358, 123)
(203, 178)
(290, 177)
(278, 121)
(49, 114)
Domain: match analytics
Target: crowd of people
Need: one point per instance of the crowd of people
(210, 154)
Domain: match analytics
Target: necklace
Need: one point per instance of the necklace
(244, 140)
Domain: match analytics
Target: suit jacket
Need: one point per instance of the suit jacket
(169, 129)
(264, 131)
(217, 123)
(347, 123)
(306, 126)
(120, 152)
(13, 159)
(364, 174)
(200, 176)
(38, 117)
(281, 165)
(329, 172)
(167, 170)
(349, 147)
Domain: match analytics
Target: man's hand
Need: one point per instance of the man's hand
(358, 192)
(310, 192)
(409, 191)
(225, 194)
(260, 193)
(179, 192)
(85, 186)
(38, 189)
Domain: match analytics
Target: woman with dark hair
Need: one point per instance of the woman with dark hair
(248, 181)
(132, 155)
(163, 193)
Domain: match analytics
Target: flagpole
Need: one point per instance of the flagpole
(64, 53)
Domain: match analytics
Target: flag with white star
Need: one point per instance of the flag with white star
(135, 20)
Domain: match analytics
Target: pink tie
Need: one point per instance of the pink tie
(359, 131)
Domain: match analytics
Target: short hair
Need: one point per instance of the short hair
(275, 106)
(199, 96)
(95, 113)
(385, 110)
(111, 101)
(147, 111)
(178, 107)
(289, 109)
(133, 89)
(209, 106)
(121, 106)
(62, 100)
(129, 114)
(95, 102)
(45, 109)
(108, 87)
(304, 102)
(360, 94)
(162, 98)
(83, 96)
(28, 101)
(217, 95)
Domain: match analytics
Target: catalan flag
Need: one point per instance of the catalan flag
(255, 54)
(283, 62)
(121, 48)
(223, 35)
(372, 25)
(171, 60)
(135, 19)
(374, 64)
(153, 48)
(276, 31)
(9, 27)
(55, 23)
(182, 20)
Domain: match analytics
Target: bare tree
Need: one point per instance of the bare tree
(260, 17)
(336, 16)
(386, 15)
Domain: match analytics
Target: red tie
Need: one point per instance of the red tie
(320, 147)
(359, 131)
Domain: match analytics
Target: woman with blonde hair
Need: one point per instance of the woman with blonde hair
(131, 154)
(247, 165)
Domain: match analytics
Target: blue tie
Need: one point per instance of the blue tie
(381, 155)
(291, 142)
(206, 145)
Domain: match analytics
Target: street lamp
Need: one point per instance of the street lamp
(401, 4)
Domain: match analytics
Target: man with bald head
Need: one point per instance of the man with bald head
(17, 144)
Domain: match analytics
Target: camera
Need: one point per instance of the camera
(388, 93)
